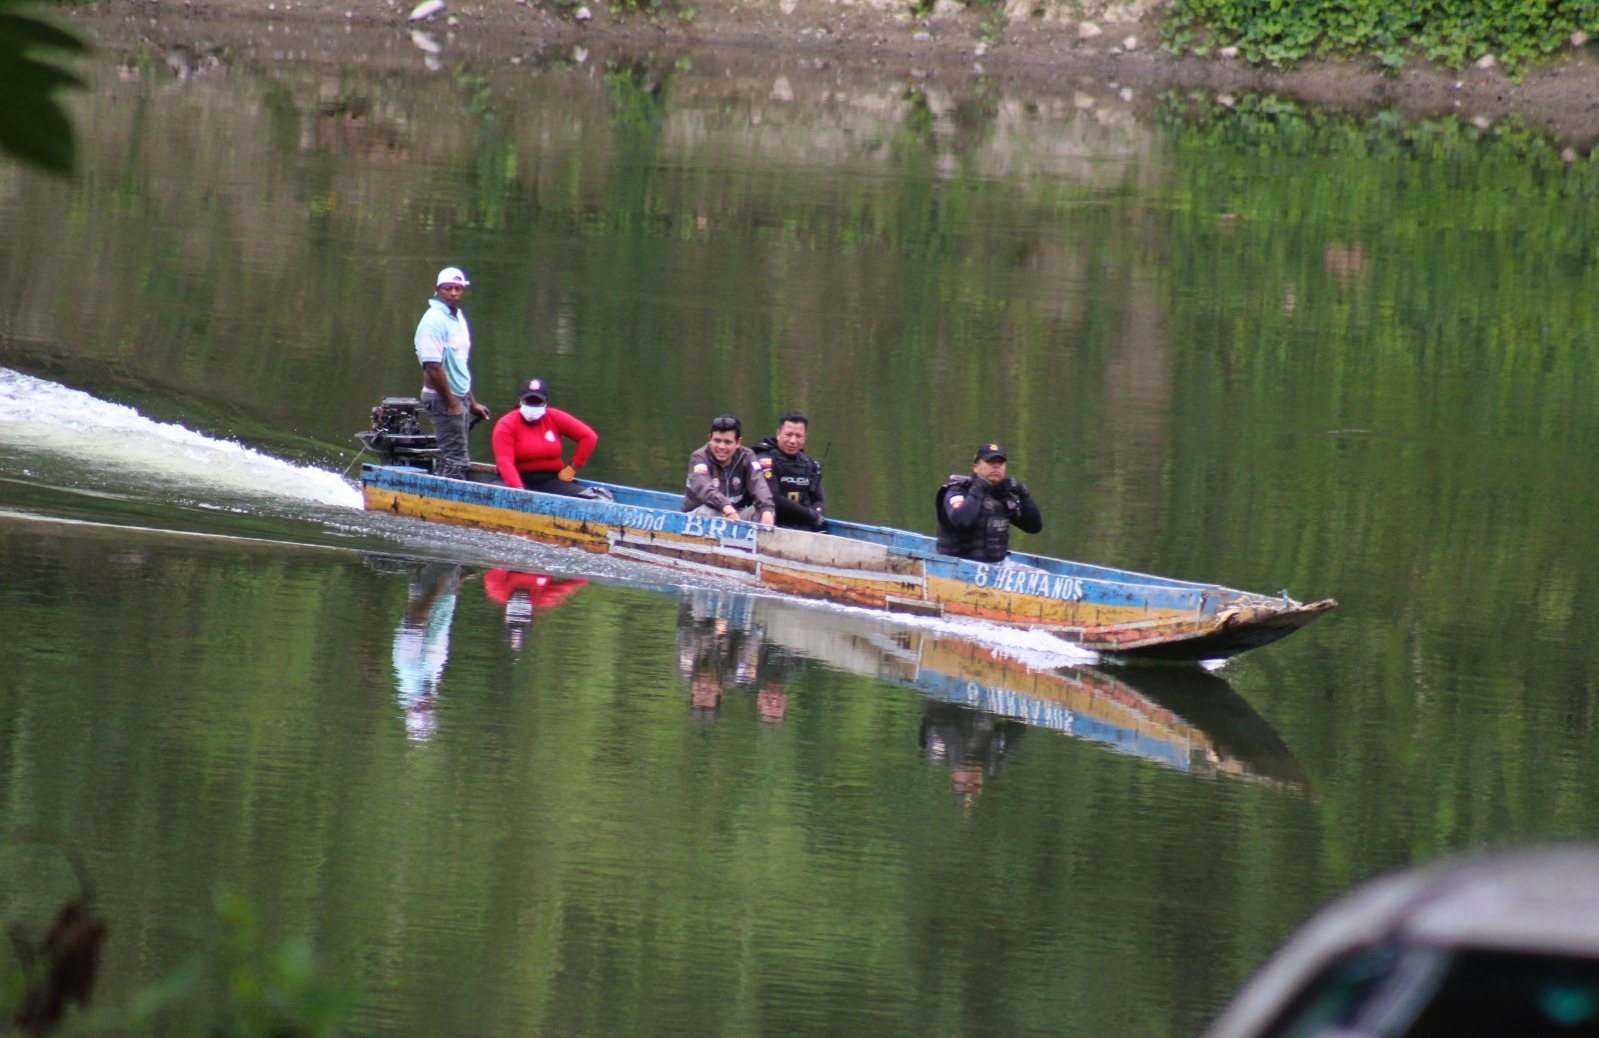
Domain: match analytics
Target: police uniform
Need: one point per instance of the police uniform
(740, 483)
(796, 482)
(975, 516)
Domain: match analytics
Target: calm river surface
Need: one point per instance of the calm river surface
(1268, 348)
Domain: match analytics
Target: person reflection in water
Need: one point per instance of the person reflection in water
(970, 743)
(705, 691)
(775, 668)
(712, 650)
(422, 645)
(771, 702)
(523, 595)
(721, 648)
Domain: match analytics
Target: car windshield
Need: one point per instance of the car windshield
(1389, 992)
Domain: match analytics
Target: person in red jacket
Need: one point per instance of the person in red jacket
(527, 444)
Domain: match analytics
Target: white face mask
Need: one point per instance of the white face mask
(532, 413)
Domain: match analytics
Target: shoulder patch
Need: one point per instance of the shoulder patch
(765, 461)
(954, 500)
(700, 468)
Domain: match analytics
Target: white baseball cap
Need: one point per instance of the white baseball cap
(452, 276)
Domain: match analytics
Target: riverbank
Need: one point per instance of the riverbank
(1041, 49)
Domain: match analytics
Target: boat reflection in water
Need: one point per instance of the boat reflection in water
(981, 697)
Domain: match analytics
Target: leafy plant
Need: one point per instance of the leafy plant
(236, 987)
(1452, 32)
(241, 986)
(34, 126)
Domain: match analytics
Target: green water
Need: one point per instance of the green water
(1339, 355)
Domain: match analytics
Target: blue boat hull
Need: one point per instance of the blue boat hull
(1111, 611)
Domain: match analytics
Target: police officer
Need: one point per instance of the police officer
(975, 512)
(724, 478)
(795, 477)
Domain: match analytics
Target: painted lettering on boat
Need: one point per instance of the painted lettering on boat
(1026, 581)
(721, 529)
(642, 519)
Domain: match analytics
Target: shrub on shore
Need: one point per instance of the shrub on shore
(1454, 33)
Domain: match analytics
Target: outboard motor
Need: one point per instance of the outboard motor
(396, 436)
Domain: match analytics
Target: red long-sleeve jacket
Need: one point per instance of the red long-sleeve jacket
(523, 447)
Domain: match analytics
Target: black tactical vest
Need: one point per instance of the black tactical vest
(795, 478)
(988, 539)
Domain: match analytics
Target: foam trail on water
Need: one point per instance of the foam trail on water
(1034, 648)
(102, 436)
(1037, 649)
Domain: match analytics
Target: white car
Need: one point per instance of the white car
(1503, 944)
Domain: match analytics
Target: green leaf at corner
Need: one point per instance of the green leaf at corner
(20, 33)
(34, 127)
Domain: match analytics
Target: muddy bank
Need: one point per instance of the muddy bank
(1041, 50)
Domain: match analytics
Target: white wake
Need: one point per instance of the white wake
(117, 441)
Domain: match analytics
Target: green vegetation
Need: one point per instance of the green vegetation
(1450, 32)
(1398, 365)
(234, 986)
(653, 11)
(241, 986)
(1263, 345)
(33, 124)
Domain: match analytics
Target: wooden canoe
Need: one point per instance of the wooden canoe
(1111, 611)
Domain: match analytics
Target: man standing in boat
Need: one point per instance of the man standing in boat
(724, 478)
(443, 345)
(976, 512)
(795, 476)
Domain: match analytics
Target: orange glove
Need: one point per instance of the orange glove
(567, 474)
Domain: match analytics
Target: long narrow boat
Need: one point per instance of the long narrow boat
(1111, 611)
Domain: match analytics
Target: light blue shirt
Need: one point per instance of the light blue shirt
(443, 338)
